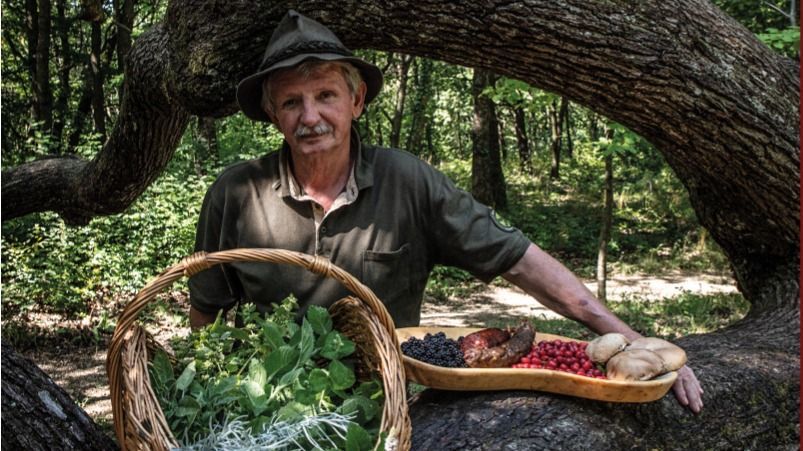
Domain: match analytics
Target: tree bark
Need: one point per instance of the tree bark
(420, 108)
(607, 218)
(207, 149)
(521, 139)
(566, 126)
(64, 66)
(124, 23)
(720, 106)
(402, 69)
(39, 415)
(43, 93)
(98, 98)
(487, 179)
(555, 119)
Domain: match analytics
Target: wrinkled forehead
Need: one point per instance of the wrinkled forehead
(308, 70)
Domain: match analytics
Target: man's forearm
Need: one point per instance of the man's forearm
(547, 280)
(200, 319)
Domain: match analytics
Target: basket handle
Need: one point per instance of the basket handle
(200, 261)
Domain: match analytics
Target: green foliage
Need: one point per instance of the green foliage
(785, 41)
(270, 371)
(61, 268)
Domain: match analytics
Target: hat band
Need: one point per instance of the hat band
(305, 47)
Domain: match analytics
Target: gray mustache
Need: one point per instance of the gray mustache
(320, 128)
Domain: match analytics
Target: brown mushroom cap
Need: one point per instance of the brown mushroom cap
(672, 355)
(602, 348)
(634, 365)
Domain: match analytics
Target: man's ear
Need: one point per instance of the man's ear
(359, 101)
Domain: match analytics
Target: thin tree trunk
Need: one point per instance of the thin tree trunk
(124, 21)
(487, 179)
(421, 102)
(65, 64)
(607, 221)
(501, 123)
(43, 94)
(565, 113)
(554, 143)
(98, 97)
(32, 35)
(402, 69)
(83, 110)
(521, 140)
(207, 148)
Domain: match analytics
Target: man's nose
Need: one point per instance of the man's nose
(309, 113)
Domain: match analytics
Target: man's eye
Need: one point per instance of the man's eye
(289, 103)
(327, 95)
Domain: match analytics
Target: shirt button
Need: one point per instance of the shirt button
(323, 229)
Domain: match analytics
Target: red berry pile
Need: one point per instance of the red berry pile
(568, 356)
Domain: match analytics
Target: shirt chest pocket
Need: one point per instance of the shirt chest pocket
(388, 274)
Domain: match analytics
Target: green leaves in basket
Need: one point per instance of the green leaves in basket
(270, 371)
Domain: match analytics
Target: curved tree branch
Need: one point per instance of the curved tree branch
(144, 138)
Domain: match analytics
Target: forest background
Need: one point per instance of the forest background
(586, 189)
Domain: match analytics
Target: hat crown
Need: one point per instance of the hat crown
(298, 34)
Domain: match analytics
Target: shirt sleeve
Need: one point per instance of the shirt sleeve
(467, 234)
(216, 288)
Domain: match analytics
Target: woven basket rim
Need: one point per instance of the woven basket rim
(132, 434)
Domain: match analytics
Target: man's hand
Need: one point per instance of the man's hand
(200, 319)
(687, 390)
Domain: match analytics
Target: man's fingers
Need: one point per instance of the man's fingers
(680, 392)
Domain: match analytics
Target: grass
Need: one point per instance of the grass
(669, 318)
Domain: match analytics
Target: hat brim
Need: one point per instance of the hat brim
(249, 90)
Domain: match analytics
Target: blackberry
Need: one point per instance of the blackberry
(435, 349)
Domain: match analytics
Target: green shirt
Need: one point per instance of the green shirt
(406, 218)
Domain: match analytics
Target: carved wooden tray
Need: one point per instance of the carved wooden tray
(468, 379)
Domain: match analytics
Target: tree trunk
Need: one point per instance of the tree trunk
(720, 106)
(43, 94)
(554, 142)
(64, 65)
(124, 21)
(607, 218)
(98, 98)
(39, 415)
(521, 140)
(207, 149)
(421, 102)
(83, 109)
(402, 69)
(487, 179)
(565, 115)
(32, 35)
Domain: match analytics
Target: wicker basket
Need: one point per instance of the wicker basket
(138, 419)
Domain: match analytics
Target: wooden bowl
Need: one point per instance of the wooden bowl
(470, 379)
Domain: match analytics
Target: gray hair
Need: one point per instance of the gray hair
(350, 73)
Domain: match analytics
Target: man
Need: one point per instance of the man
(381, 214)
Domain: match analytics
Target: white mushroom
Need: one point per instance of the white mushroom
(604, 347)
(634, 365)
(673, 356)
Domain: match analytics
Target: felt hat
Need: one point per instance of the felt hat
(297, 39)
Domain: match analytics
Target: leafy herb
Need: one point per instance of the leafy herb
(271, 375)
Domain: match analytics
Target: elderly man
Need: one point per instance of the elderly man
(381, 214)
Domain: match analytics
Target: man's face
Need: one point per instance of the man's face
(314, 113)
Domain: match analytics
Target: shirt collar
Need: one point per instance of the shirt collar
(362, 171)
